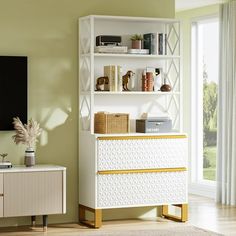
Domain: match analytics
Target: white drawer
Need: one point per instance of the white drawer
(1, 184)
(1, 206)
(141, 189)
(142, 153)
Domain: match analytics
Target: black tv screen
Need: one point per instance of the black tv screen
(13, 90)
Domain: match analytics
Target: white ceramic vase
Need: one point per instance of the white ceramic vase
(29, 157)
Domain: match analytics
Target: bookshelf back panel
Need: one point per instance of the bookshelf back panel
(137, 66)
(126, 29)
(128, 104)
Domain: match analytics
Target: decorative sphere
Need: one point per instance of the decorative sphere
(165, 88)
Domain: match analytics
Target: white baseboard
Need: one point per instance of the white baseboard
(202, 190)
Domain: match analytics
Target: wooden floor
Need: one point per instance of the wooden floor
(203, 213)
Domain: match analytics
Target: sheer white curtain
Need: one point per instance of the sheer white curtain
(226, 159)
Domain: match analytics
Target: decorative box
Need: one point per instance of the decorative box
(111, 123)
(153, 126)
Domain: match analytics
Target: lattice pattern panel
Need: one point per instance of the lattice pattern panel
(85, 36)
(142, 154)
(172, 74)
(85, 74)
(119, 190)
(85, 112)
(173, 39)
(173, 108)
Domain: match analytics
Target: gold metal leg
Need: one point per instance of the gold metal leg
(184, 213)
(97, 216)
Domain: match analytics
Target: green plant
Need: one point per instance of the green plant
(136, 37)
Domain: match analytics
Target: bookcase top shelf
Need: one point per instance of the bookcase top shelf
(131, 18)
(135, 93)
(141, 56)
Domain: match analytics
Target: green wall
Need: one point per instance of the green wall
(46, 32)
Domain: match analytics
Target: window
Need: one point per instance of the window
(204, 78)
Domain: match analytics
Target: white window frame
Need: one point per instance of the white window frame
(197, 184)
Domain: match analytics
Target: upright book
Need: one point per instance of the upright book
(114, 73)
(155, 43)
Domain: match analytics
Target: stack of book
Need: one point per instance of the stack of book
(111, 49)
(114, 73)
(156, 43)
(138, 51)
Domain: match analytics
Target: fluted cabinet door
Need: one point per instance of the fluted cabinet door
(1, 195)
(1, 206)
(1, 184)
(33, 193)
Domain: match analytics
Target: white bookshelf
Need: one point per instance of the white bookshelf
(91, 67)
(162, 157)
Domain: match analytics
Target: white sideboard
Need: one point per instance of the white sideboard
(32, 191)
(118, 171)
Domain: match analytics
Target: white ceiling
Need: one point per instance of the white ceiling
(181, 5)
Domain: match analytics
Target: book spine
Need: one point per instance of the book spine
(153, 44)
(107, 72)
(119, 78)
(165, 44)
(160, 46)
(156, 43)
(147, 38)
(113, 78)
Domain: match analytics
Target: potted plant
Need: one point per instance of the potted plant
(27, 134)
(136, 41)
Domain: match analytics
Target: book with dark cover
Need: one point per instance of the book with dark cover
(149, 42)
(165, 44)
(160, 44)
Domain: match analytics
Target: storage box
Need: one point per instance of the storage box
(154, 126)
(111, 123)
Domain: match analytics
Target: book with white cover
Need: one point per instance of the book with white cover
(119, 79)
(111, 72)
(111, 49)
(138, 51)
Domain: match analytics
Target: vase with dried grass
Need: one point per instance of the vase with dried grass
(27, 134)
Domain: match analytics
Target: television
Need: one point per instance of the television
(13, 90)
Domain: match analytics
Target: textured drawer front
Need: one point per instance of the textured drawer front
(142, 153)
(121, 190)
(1, 184)
(1, 206)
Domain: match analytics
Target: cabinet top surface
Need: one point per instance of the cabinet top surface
(36, 168)
(174, 134)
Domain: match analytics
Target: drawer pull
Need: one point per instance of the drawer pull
(1, 194)
(111, 172)
(142, 137)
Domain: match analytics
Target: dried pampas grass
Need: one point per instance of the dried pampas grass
(26, 134)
